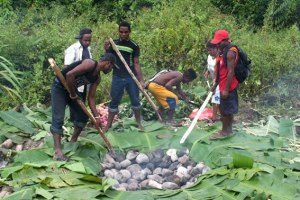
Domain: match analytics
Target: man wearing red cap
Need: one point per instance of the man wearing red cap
(227, 82)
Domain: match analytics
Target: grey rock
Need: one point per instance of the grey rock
(125, 175)
(154, 184)
(156, 178)
(172, 154)
(164, 165)
(170, 185)
(117, 165)
(188, 184)
(125, 163)
(146, 171)
(182, 152)
(150, 156)
(205, 169)
(123, 185)
(144, 183)
(181, 172)
(142, 158)
(119, 157)
(183, 160)
(118, 176)
(108, 174)
(157, 171)
(109, 159)
(134, 168)
(150, 166)
(196, 171)
(132, 186)
(107, 165)
(173, 178)
(166, 172)
(139, 176)
(173, 166)
(131, 155)
(158, 153)
(131, 180)
(185, 179)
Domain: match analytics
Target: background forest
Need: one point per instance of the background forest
(171, 33)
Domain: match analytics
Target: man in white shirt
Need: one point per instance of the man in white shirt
(79, 50)
(211, 64)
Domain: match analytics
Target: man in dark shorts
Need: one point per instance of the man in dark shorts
(81, 72)
(227, 82)
(121, 78)
(162, 88)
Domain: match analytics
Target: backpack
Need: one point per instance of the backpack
(243, 67)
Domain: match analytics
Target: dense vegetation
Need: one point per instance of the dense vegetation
(172, 34)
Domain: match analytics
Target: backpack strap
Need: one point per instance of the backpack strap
(226, 52)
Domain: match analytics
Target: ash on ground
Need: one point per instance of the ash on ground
(160, 169)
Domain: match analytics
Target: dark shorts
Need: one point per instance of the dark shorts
(59, 100)
(118, 86)
(230, 105)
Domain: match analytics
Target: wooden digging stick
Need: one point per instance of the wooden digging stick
(199, 112)
(134, 78)
(80, 102)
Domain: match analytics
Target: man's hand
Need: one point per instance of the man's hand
(224, 94)
(98, 121)
(206, 74)
(106, 45)
(74, 97)
(182, 96)
(142, 84)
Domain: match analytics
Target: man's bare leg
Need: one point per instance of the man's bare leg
(111, 116)
(76, 133)
(137, 115)
(58, 154)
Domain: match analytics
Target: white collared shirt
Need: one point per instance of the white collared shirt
(74, 53)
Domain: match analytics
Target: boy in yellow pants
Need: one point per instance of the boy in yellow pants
(162, 88)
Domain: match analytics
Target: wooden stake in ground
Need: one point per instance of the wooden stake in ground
(80, 102)
(134, 78)
(199, 112)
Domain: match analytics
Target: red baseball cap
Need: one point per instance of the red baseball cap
(219, 36)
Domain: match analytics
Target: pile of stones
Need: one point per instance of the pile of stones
(159, 169)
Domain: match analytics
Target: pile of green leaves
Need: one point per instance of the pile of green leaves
(33, 173)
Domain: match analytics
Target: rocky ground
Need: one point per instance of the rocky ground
(159, 169)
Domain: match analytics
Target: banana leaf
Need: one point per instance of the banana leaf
(17, 120)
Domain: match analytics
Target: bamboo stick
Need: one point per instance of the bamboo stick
(134, 78)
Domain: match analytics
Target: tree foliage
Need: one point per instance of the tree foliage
(171, 34)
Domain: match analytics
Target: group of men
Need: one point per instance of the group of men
(82, 75)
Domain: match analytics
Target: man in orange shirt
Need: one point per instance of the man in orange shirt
(227, 82)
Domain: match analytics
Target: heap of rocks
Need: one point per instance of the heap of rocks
(159, 170)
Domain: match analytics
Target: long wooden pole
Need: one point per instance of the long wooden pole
(199, 112)
(80, 102)
(134, 78)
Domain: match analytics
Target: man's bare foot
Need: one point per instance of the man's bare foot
(173, 123)
(220, 135)
(60, 157)
(140, 126)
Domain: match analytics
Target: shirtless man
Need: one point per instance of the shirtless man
(162, 88)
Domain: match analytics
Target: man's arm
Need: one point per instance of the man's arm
(86, 66)
(91, 101)
(231, 62)
(138, 71)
